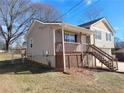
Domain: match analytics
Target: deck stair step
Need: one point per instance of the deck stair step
(103, 57)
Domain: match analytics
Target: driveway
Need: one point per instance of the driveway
(121, 66)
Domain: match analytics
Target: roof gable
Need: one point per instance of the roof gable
(88, 24)
(101, 21)
(102, 25)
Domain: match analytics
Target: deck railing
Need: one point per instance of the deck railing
(71, 47)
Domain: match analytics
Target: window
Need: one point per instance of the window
(70, 37)
(98, 35)
(31, 43)
(108, 37)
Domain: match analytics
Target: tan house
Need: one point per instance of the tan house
(64, 46)
(104, 34)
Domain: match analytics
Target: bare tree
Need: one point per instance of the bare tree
(46, 13)
(18, 43)
(118, 43)
(93, 12)
(15, 15)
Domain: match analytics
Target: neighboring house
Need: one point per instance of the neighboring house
(64, 46)
(120, 54)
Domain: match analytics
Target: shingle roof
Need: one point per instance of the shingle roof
(88, 24)
(121, 50)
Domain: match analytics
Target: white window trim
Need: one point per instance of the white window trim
(108, 37)
(98, 35)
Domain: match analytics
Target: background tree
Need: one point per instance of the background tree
(118, 43)
(1, 45)
(16, 17)
(46, 13)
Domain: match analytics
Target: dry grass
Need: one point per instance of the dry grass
(83, 81)
(55, 82)
(8, 56)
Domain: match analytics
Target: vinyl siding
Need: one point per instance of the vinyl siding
(42, 38)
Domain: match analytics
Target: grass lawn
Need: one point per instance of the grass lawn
(55, 82)
(25, 78)
(8, 56)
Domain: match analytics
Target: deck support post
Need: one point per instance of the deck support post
(54, 42)
(63, 49)
(94, 59)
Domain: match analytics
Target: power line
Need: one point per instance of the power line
(82, 10)
(72, 8)
(69, 10)
(77, 10)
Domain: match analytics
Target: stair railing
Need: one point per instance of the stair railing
(93, 48)
(102, 52)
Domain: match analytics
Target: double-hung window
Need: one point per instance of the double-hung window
(108, 37)
(98, 35)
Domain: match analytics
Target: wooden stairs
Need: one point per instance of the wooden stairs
(103, 57)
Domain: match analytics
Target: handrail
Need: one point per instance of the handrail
(102, 52)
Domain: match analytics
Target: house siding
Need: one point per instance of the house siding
(102, 25)
(102, 43)
(42, 42)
